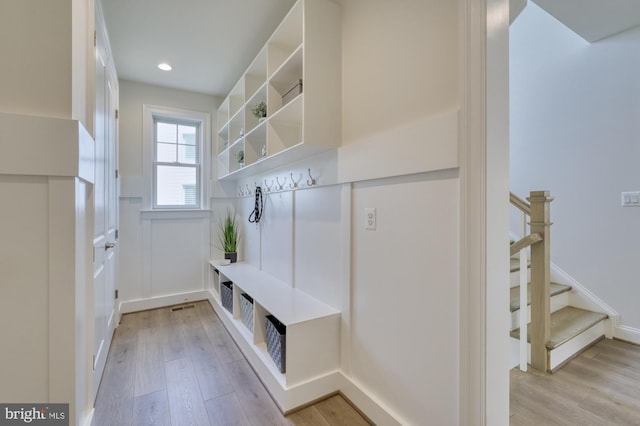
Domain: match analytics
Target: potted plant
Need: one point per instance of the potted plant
(260, 111)
(240, 157)
(229, 236)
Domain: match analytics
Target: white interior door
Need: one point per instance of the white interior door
(106, 212)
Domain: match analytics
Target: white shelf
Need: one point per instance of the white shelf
(289, 305)
(304, 47)
(312, 349)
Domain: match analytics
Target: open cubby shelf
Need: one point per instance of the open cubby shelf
(304, 48)
(312, 328)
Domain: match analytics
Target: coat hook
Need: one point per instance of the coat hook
(248, 190)
(268, 186)
(240, 191)
(311, 181)
(280, 186)
(294, 183)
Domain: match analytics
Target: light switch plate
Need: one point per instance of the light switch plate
(370, 218)
(631, 199)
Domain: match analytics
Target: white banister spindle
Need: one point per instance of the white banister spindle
(524, 308)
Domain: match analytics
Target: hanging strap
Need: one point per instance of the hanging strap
(256, 214)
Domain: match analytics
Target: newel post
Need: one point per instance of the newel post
(540, 326)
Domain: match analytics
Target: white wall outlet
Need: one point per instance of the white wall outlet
(631, 199)
(370, 218)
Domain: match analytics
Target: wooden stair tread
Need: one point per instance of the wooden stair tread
(515, 264)
(515, 294)
(567, 323)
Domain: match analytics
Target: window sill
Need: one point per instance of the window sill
(175, 214)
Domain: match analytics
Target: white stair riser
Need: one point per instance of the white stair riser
(563, 352)
(558, 302)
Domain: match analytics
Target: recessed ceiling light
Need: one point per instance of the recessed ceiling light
(164, 66)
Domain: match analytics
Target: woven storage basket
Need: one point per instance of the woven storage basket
(226, 293)
(276, 341)
(246, 311)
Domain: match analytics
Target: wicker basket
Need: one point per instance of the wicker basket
(226, 293)
(246, 311)
(277, 341)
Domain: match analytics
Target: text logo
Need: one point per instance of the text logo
(34, 414)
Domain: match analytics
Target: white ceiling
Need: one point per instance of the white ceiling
(594, 20)
(209, 43)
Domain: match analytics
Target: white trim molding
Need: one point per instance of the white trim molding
(162, 301)
(484, 220)
(626, 333)
(148, 114)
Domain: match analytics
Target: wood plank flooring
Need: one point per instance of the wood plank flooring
(600, 387)
(181, 367)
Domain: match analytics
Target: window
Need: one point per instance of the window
(175, 152)
(177, 163)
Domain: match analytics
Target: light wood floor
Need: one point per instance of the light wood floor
(600, 387)
(181, 367)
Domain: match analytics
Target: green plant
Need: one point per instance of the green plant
(228, 233)
(260, 110)
(240, 156)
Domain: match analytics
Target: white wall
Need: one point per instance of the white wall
(574, 131)
(36, 36)
(400, 102)
(160, 254)
(46, 176)
(398, 286)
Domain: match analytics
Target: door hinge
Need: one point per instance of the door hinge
(94, 254)
(116, 294)
(117, 174)
(117, 114)
(95, 39)
(116, 234)
(93, 363)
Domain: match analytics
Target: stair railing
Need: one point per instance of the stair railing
(538, 238)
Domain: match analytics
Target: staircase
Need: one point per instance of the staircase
(562, 331)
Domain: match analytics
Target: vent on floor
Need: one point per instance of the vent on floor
(179, 308)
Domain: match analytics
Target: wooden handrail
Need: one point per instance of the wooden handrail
(520, 204)
(525, 242)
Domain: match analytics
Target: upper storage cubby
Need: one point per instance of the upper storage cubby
(287, 104)
(287, 38)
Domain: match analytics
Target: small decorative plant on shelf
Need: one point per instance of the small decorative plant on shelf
(240, 157)
(260, 110)
(229, 236)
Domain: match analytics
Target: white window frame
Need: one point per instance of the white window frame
(203, 142)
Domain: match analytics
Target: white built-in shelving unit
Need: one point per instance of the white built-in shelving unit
(312, 333)
(305, 48)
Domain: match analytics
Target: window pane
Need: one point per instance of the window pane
(187, 135)
(166, 132)
(166, 153)
(175, 186)
(187, 154)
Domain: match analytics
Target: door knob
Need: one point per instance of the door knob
(107, 246)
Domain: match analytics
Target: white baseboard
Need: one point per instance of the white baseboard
(162, 301)
(372, 408)
(626, 333)
(88, 418)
